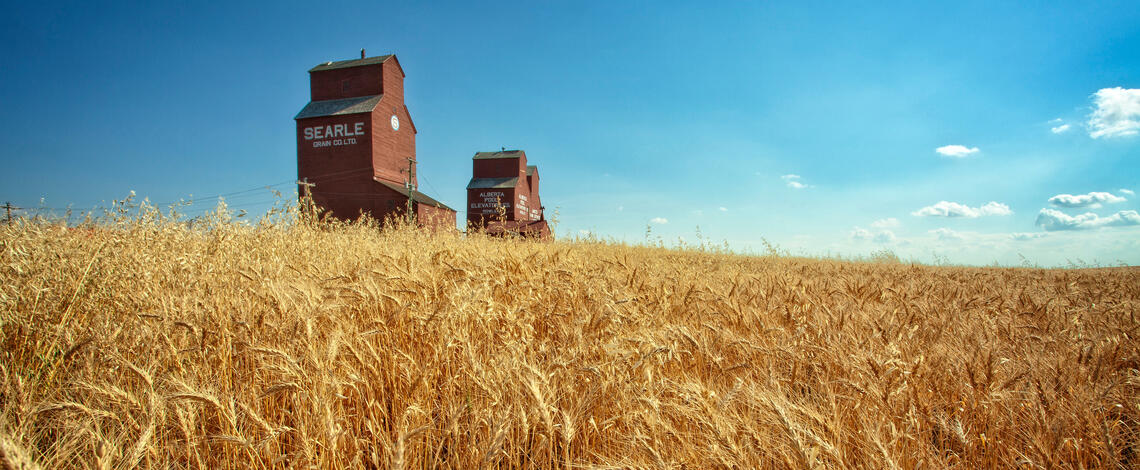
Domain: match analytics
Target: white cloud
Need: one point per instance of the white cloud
(621, 208)
(659, 220)
(946, 234)
(1060, 129)
(1117, 113)
(1053, 220)
(1127, 191)
(889, 222)
(955, 151)
(1056, 121)
(1026, 236)
(953, 209)
(877, 236)
(1093, 199)
(722, 209)
(793, 181)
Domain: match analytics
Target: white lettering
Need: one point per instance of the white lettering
(481, 205)
(337, 130)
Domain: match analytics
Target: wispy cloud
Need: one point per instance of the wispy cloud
(1093, 199)
(877, 236)
(793, 181)
(722, 209)
(954, 209)
(1021, 237)
(1117, 113)
(946, 234)
(1054, 220)
(1060, 129)
(889, 222)
(659, 220)
(956, 151)
(1126, 191)
(886, 236)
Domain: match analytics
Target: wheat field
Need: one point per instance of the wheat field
(136, 341)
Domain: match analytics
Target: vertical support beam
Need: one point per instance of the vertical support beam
(411, 188)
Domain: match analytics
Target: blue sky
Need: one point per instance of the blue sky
(813, 126)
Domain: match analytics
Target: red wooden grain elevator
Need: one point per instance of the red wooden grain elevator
(356, 143)
(502, 196)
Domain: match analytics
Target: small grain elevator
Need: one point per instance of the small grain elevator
(356, 143)
(502, 196)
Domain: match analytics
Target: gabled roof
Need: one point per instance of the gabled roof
(531, 169)
(410, 123)
(493, 155)
(416, 195)
(354, 105)
(341, 64)
(493, 183)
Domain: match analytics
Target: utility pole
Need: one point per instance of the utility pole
(307, 199)
(411, 187)
(308, 186)
(8, 207)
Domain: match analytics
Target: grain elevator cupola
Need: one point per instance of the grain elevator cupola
(356, 143)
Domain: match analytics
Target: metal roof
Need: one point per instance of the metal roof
(492, 155)
(355, 105)
(340, 64)
(493, 183)
(530, 169)
(416, 195)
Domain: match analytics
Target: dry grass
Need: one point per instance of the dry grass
(138, 342)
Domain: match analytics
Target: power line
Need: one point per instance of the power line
(341, 174)
(225, 194)
(236, 199)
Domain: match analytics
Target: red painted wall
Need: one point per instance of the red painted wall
(435, 218)
(393, 147)
(536, 212)
(335, 163)
(481, 205)
(500, 167)
(347, 82)
(516, 203)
